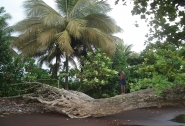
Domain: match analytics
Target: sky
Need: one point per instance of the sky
(120, 13)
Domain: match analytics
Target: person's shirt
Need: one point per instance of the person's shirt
(122, 75)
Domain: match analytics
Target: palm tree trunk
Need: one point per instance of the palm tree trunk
(67, 58)
(56, 67)
(67, 71)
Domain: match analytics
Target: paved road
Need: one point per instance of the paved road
(147, 116)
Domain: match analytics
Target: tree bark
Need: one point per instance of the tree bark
(67, 71)
(79, 105)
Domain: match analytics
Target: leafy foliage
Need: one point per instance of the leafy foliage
(6, 58)
(95, 73)
(33, 72)
(120, 58)
(120, 62)
(163, 64)
(20, 71)
(49, 34)
(134, 62)
(4, 39)
(165, 19)
(162, 67)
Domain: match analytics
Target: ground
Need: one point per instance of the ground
(15, 112)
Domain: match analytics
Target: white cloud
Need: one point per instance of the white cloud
(121, 14)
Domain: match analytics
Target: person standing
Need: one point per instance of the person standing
(122, 81)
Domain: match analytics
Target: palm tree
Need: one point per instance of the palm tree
(77, 22)
(5, 29)
(4, 16)
(5, 55)
(123, 52)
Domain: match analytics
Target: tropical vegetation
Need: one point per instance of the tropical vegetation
(78, 46)
(161, 64)
(76, 27)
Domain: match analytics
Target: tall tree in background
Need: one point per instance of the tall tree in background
(5, 55)
(163, 60)
(4, 38)
(119, 60)
(165, 18)
(121, 55)
(78, 22)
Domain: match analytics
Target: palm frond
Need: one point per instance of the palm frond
(32, 23)
(53, 53)
(37, 8)
(100, 40)
(65, 6)
(77, 8)
(64, 40)
(28, 49)
(74, 27)
(86, 7)
(125, 49)
(128, 49)
(42, 60)
(53, 19)
(3, 17)
(46, 37)
(103, 22)
(72, 61)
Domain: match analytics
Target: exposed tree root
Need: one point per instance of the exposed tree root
(79, 105)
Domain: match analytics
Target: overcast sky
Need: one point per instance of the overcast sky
(122, 15)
